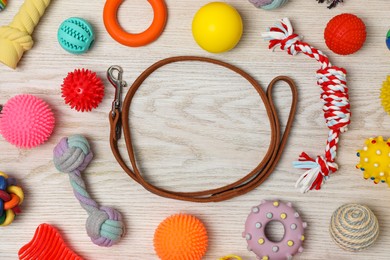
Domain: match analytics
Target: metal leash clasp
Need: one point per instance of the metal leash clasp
(114, 75)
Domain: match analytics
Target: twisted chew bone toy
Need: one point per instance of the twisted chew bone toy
(104, 225)
(15, 38)
(334, 94)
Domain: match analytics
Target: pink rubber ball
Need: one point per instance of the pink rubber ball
(26, 121)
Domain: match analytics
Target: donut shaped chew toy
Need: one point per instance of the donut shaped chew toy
(260, 244)
(138, 39)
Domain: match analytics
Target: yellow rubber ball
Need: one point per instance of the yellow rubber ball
(217, 27)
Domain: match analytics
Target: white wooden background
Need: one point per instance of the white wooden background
(196, 126)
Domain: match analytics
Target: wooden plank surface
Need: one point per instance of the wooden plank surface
(196, 126)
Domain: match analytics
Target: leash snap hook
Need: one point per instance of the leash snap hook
(114, 75)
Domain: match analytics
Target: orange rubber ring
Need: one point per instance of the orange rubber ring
(12, 203)
(138, 39)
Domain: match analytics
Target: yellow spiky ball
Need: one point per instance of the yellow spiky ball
(375, 160)
(385, 95)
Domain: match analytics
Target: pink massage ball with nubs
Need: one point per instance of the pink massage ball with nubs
(26, 121)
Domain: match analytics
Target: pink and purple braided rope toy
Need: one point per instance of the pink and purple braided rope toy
(104, 224)
(334, 94)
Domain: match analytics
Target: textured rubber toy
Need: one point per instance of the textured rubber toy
(345, 34)
(375, 160)
(3, 4)
(47, 243)
(82, 90)
(26, 121)
(181, 237)
(257, 237)
(385, 94)
(76, 35)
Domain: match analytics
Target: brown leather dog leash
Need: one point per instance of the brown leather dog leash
(120, 119)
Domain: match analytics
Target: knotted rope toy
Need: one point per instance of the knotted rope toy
(268, 4)
(11, 196)
(104, 225)
(334, 95)
(15, 38)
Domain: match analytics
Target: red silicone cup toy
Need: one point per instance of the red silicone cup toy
(138, 39)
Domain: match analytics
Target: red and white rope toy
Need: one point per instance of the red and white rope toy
(334, 94)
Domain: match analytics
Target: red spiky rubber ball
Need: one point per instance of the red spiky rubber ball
(26, 121)
(82, 90)
(180, 237)
(345, 34)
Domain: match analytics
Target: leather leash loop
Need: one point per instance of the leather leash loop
(247, 183)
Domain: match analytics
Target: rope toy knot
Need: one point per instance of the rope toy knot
(105, 226)
(11, 196)
(14, 43)
(317, 173)
(334, 94)
(72, 154)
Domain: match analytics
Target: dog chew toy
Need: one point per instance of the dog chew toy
(15, 38)
(388, 39)
(47, 243)
(345, 34)
(104, 224)
(217, 27)
(120, 120)
(180, 236)
(26, 121)
(257, 239)
(385, 95)
(268, 4)
(11, 197)
(334, 95)
(139, 39)
(3, 4)
(75, 35)
(375, 160)
(82, 90)
(331, 3)
(230, 257)
(354, 227)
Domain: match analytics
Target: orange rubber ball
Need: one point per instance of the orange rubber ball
(345, 34)
(180, 237)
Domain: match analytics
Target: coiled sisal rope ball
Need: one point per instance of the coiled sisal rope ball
(104, 225)
(15, 38)
(354, 227)
(268, 4)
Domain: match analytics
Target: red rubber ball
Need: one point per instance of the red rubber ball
(82, 90)
(345, 34)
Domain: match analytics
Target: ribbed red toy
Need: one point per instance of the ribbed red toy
(345, 34)
(26, 121)
(83, 90)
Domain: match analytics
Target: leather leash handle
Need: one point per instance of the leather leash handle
(247, 183)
